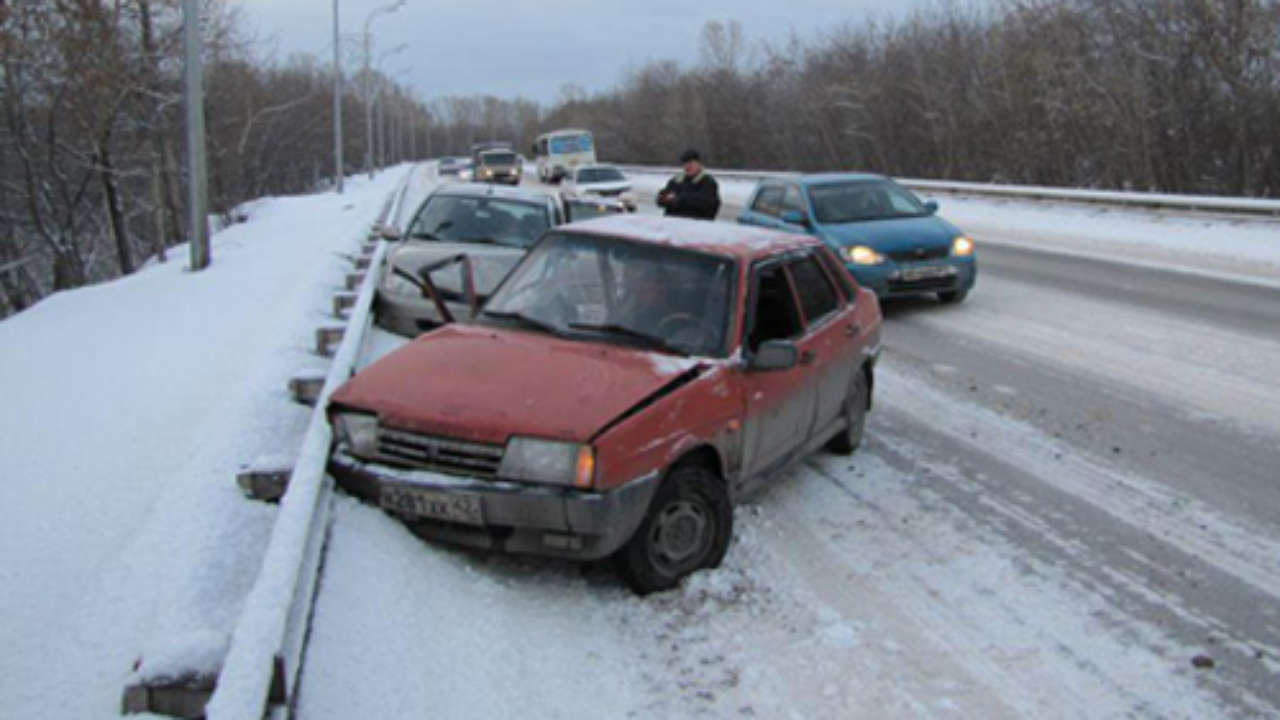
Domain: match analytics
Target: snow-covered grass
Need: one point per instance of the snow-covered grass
(129, 407)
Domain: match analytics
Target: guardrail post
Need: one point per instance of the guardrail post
(327, 336)
(343, 301)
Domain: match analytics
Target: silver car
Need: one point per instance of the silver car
(459, 245)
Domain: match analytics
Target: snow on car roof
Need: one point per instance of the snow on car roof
(489, 190)
(739, 241)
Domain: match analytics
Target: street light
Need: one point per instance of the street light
(380, 133)
(368, 101)
(337, 105)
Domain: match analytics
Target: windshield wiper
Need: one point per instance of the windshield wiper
(484, 239)
(614, 329)
(524, 320)
(424, 235)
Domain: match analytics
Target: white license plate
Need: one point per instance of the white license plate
(418, 502)
(924, 273)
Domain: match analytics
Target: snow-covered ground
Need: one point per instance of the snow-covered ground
(890, 584)
(128, 408)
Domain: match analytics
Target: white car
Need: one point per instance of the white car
(600, 179)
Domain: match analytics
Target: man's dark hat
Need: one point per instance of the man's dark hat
(690, 154)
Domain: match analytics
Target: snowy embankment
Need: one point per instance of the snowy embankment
(129, 408)
(1241, 248)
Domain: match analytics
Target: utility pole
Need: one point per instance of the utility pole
(197, 190)
(337, 106)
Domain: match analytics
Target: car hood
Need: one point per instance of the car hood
(489, 263)
(893, 235)
(485, 384)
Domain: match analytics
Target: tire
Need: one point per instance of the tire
(952, 297)
(687, 527)
(855, 409)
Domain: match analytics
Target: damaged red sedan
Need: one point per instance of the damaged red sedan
(629, 381)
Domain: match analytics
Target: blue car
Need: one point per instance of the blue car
(892, 242)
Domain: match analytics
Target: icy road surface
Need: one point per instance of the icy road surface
(1066, 506)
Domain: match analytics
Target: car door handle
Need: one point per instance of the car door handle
(852, 330)
(806, 357)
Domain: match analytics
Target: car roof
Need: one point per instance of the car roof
(825, 178)
(495, 191)
(742, 242)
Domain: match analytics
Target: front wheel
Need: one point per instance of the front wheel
(687, 527)
(855, 412)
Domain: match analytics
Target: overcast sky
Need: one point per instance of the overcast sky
(523, 48)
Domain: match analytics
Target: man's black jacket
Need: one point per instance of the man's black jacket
(694, 197)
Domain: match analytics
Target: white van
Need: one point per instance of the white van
(559, 151)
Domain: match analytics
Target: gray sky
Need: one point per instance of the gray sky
(523, 48)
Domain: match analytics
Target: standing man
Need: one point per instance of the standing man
(692, 193)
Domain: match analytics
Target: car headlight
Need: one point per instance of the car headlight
(962, 246)
(863, 255)
(548, 461)
(359, 431)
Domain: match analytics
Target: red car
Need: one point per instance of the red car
(629, 381)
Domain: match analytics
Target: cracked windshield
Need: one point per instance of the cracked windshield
(480, 220)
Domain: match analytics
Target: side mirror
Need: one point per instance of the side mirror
(390, 232)
(931, 206)
(795, 217)
(775, 355)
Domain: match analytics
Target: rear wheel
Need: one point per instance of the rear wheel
(687, 527)
(951, 297)
(855, 412)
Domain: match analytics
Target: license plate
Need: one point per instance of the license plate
(418, 502)
(925, 273)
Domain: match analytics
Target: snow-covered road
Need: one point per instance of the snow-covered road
(1066, 501)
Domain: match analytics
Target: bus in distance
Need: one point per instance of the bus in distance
(559, 151)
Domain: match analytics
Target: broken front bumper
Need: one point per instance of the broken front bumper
(501, 515)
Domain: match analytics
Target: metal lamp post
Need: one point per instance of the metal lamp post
(197, 177)
(368, 100)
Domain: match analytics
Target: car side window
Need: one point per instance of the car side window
(773, 311)
(769, 201)
(817, 295)
(791, 200)
(837, 271)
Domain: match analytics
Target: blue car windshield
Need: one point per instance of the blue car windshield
(859, 200)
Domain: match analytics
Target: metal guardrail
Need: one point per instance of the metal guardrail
(260, 673)
(1210, 203)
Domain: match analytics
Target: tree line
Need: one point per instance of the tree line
(1161, 95)
(92, 136)
(1157, 95)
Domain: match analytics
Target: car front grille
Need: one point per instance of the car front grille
(453, 457)
(920, 253)
(607, 193)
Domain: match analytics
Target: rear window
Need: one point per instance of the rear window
(843, 279)
(769, 200)
(817, 296)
